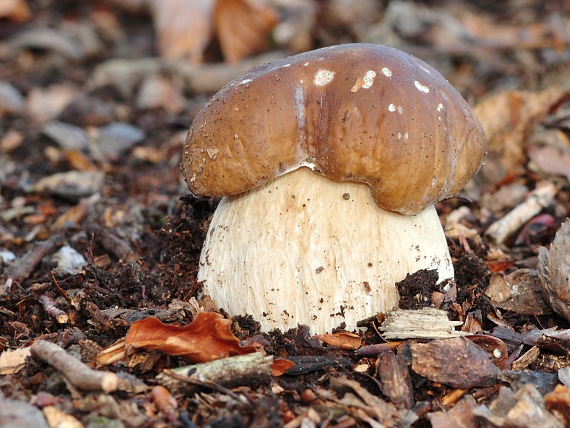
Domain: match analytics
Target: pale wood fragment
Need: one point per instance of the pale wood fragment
(425, 323)
(538, 199)
(80, 374)
(243, 370)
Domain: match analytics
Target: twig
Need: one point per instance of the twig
(49, 306)
(242, 370)
(81, 375)
(201, 384)
(26, 265)
(112, 354)
(538, 199)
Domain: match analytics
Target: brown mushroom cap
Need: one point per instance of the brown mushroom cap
(356, 112)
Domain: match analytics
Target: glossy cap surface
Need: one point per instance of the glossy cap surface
(356, 112)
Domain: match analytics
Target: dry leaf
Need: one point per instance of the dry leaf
(241, 26)
(160, 92)
(508, 118)
(505, 36)
(342, 339)
(551, 160)
(183, 28)
(44, 104)
(554, 268)
(15, 10)
(558, 403)
(523, 408)
(208, 337)
(280, 366)
(12, 361)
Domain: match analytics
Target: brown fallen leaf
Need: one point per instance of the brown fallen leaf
(183, 28)
(558, 403)
(370, 408)
(550, 160)
(15, 10)
(343, 339)
(208, 337)
(242, 26)
(280, 366)
(554, 268)
(508, 118)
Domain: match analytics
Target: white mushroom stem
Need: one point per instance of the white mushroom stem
(306, 250)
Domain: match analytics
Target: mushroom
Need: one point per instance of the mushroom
(329, 164)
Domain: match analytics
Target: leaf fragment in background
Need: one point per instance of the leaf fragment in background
(242, 26)
(550, 160)
(280, 366)
(70, 184)
(554, 268)
(208, 337)
(183, 28)
(44, 104)
(342, 339)
(15, 10)
(508, 118)
(157, 91)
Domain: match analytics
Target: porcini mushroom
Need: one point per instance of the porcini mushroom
(329, 164)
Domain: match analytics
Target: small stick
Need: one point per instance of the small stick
(27, 264)
(49, 306)
(61, 290)
(190, 381)
(242, 370)
(538, 199)
(78, 373)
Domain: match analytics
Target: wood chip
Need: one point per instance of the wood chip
(526, 359)
(395, 380)
(457, 362)
(426, 323)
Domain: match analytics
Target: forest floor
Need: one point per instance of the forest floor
(98, 229)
